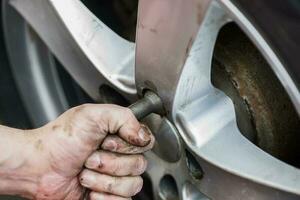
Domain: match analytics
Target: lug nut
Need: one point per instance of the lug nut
(193, 166)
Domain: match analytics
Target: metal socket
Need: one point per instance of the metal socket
(150, 103)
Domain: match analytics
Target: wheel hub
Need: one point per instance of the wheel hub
(200, 149)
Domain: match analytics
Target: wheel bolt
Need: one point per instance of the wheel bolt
(195, 169)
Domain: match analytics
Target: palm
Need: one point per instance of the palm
(61, 180)
(66, 155)
(67, 144)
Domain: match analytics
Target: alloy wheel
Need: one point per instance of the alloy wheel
(201, 152)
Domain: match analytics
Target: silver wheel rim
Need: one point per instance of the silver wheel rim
(78, 38)
(34, 69)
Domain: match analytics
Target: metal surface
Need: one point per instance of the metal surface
(242, 74)
(87, 48)
(168, 145)
(269, 54)
(193, 166)
(191, 192)
(161, 48)
(168, 188)
(33, 68)
(177, 64)
(168, 140)
(150, 103)
(175, 44)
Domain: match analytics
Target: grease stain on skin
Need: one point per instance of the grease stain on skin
(70, 134)
(100, 166)
(140, 25)
(110, 188)
(121, 146)
(55, 127)
(115, 172)
(39, 145)
(133, 140)
(153, 30)
(68, 128)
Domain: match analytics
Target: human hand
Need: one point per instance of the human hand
(64, 146)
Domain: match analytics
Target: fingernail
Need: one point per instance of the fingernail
(139, 189)
(86, 180)
(144, 134)
(142, 166)
(110, 145)
(93, 162)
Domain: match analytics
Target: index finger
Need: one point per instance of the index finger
(130, 133)
(116, 144)
(119, 120)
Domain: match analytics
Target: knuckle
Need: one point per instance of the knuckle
(137, 186)
(93, 161)
(151, 145)
(83, 174)
(111, 143)
(85, 178)
(77, 112)
(110, 187)
(117, 168)
(127, 112)
(93, 196)
(140, 164)
(81, 108)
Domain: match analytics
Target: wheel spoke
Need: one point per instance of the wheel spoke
(91, 52)
(190, 192)
(209, 128)
(155, 171)
(177, 39)
(165, 38)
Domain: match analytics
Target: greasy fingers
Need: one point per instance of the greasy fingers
(120, 186)
(130, 133)
(103, 196)
(140, 138)
(116, 164)
(116, 144)
(118, 120)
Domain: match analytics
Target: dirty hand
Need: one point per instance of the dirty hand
(61, 149)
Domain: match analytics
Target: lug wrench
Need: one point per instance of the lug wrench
(166, 134)
(150, 103)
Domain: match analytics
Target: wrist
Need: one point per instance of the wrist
(18, 174)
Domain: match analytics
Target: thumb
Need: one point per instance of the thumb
(102, 119)
(121, 121)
